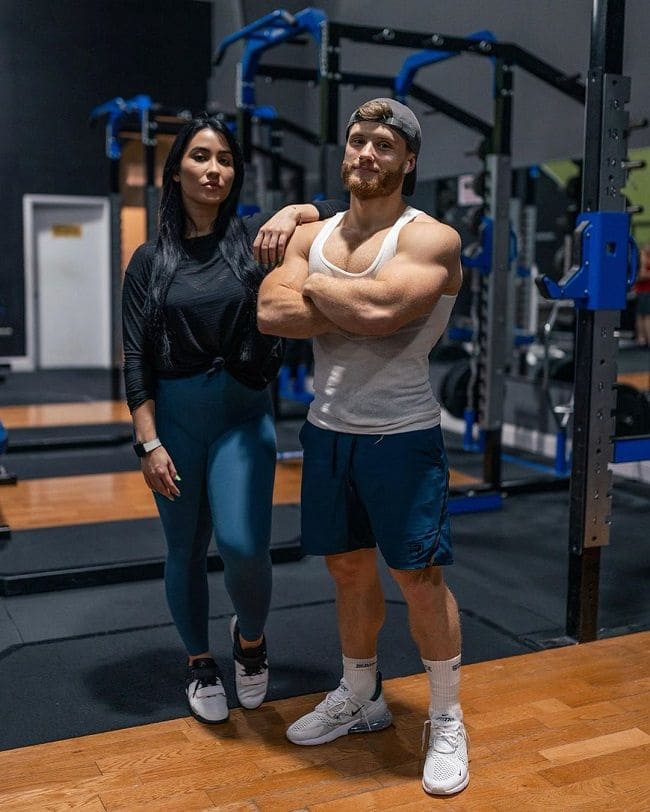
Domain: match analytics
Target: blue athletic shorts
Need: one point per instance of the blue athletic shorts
(384, 490)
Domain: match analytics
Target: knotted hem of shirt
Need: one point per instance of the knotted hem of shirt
(217, 365)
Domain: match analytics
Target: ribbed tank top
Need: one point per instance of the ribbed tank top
(375, 384)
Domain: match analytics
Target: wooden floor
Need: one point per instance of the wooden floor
(65, 414)
(639, 380)
(556, 730)
(68, 500)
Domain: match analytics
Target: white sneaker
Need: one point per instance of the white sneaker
(445, 742)
(251, 673)
(205, 692)
(341, 712)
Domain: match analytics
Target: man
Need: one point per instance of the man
(374, 286)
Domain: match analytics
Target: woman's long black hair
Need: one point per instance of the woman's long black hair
(173, 219)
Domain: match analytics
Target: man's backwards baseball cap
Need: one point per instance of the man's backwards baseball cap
(403, 121)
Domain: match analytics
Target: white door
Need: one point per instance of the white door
(72, 286)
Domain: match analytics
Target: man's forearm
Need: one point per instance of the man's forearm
(356, 306)
(289, 314)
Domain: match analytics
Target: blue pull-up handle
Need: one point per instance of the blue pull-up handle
(412, 64)
(273, 29)
(278, 18)
(265, 112)
(116, 109)
(308, 21)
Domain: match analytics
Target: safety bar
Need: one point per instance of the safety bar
(605, 258)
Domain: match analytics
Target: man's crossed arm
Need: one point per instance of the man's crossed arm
(295, 304)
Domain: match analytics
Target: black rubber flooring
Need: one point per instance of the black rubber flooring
(101, 459)
(71, 556)
(85, 684)
(56, 386)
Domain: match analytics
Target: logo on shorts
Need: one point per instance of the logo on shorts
(415, 548)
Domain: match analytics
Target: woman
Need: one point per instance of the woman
(196, 371)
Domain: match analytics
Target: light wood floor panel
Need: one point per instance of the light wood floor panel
(58, 501)
(640, 380)
(64, 414)
(597, 761)
(598, 746)
(34, 503)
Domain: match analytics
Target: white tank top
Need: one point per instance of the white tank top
(375, 384)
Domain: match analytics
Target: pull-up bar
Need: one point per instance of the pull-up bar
(507, 52)
(436, 103)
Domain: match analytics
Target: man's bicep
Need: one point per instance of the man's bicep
(426, 264)
(408, 279)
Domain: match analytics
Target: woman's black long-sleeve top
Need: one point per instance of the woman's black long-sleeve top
(207, 314)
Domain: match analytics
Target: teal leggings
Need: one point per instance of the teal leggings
(221, 438)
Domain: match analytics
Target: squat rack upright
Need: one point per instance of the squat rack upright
(597, 282)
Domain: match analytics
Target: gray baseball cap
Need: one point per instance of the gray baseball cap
(403, 121)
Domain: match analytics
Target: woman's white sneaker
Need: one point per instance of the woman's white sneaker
(251, 670)
(340, 713)
(206, 696)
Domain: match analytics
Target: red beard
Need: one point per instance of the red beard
(382, 184)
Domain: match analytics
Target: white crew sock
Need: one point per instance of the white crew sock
(444, 685)
(361, 676)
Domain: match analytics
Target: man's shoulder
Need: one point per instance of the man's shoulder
(430, 231)
(424, 219)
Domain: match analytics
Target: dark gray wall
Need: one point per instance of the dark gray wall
(58, 60)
